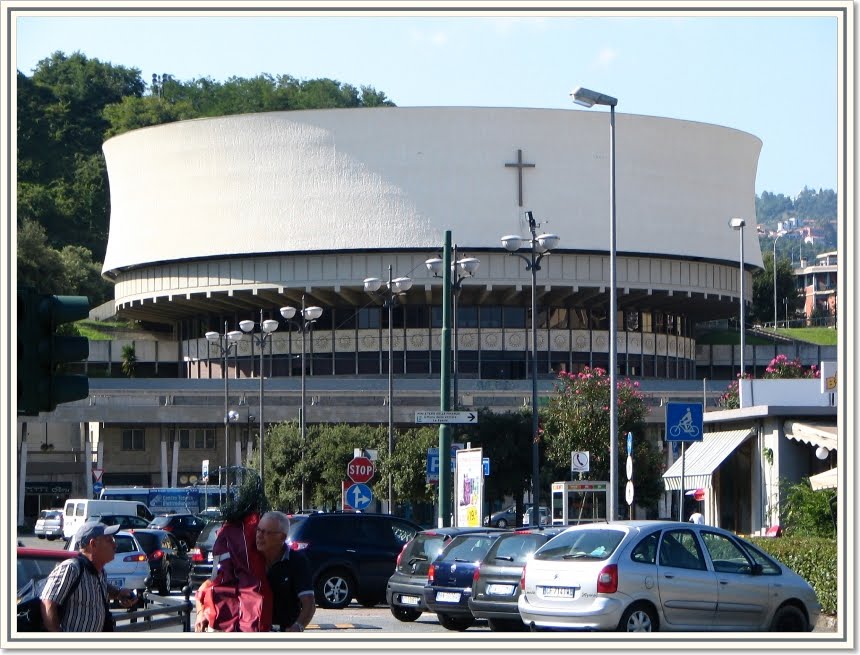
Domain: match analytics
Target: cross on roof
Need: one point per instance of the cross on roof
(519, 165)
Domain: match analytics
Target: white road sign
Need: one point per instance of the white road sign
(579, 461)
(440, 417)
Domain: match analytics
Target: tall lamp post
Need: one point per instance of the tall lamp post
(539, 246)
(394, 289)
(468, 266)
(225, 343)
(266, 329)
(779, 234)
(308, 316)
(588, 98)
(738, 224)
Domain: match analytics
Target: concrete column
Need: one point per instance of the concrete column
(175, 467)
(87, 448)
(22, 477)
(164, 481)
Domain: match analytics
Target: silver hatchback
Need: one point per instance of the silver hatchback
(645, 576)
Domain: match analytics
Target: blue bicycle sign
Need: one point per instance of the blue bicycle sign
(684, 421)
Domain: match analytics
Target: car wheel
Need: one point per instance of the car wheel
(506, 625)
(501, 523)
(334, 589)
(164, 583)
(405, 614)
(457, 623)
(789, 618)
(638, 618)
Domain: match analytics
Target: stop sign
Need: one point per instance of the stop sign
(360, 470)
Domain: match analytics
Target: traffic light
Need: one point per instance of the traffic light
(42, 385)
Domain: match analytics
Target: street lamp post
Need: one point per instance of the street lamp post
(468, 266)
(395, 288)
(266, 329)
(589, 98)
(225, 343)
(539, 246)
(309, 315)
(774, 278)
(738, 224)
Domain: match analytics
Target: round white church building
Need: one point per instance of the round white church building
(213, 220)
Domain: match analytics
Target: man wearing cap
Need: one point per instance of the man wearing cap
(86, 608)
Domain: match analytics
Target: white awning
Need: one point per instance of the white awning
(814, 434)
(702, 459)
(825, 480)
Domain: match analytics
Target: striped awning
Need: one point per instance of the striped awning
(702, 459)
(825, 480)
(814, 434)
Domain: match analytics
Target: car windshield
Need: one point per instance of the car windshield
(208, 536)
(514, 549)
(471, 548)
(581, 544)
(160, 520)
(149, 541)
(424, 547)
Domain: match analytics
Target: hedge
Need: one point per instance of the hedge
(812, 558)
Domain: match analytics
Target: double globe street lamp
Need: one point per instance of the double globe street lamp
(266, 329)
(539, 246)
(393, 290)
(304, 323)
(460, 270)
(225, 343)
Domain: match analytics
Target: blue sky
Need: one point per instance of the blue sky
(751, 73)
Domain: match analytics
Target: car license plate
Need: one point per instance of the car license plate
(500, 589)
(410, 600)
(557, 592)
(447, 597)
(209, 557)
(116, 582)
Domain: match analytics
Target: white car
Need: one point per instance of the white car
(130, 567)
(645, 576)
(49, 524)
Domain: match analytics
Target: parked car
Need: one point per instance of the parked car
(404, 592)
(503, 518)
(129, 567)
(49, 525)
(645, 576)
(78, 511)
(543, 513)
(169, 564)
(35, 565)
(449, 579)
(185, 527)
(211, 514)
(125, 522)
(496, 583)
(351, 555)
(201, 555)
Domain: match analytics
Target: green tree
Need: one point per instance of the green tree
(762, 304)
(129, 360)
(577, 419)
(806, 512)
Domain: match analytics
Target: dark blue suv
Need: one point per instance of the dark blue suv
(449, 580)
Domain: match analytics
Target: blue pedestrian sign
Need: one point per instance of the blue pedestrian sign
(485, 463)
(629, 443)
(684, 422)
(359, 496)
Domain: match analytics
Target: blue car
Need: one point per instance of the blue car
(449, 580)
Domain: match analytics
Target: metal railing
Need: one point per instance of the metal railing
(155, 613)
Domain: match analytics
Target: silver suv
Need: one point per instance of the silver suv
(49, 525)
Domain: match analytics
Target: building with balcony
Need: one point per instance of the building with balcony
(817, 285)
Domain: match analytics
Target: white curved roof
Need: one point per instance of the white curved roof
(397, 178)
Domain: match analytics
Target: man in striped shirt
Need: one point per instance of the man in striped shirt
(86, 608)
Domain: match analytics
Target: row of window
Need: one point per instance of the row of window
(189, 439)
(473, 316)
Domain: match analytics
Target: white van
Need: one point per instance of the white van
(78, 511)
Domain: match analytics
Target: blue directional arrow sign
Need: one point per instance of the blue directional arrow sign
(359, 496)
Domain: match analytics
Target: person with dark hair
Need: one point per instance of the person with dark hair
(76, 593)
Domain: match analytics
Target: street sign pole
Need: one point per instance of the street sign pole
(444, 498)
